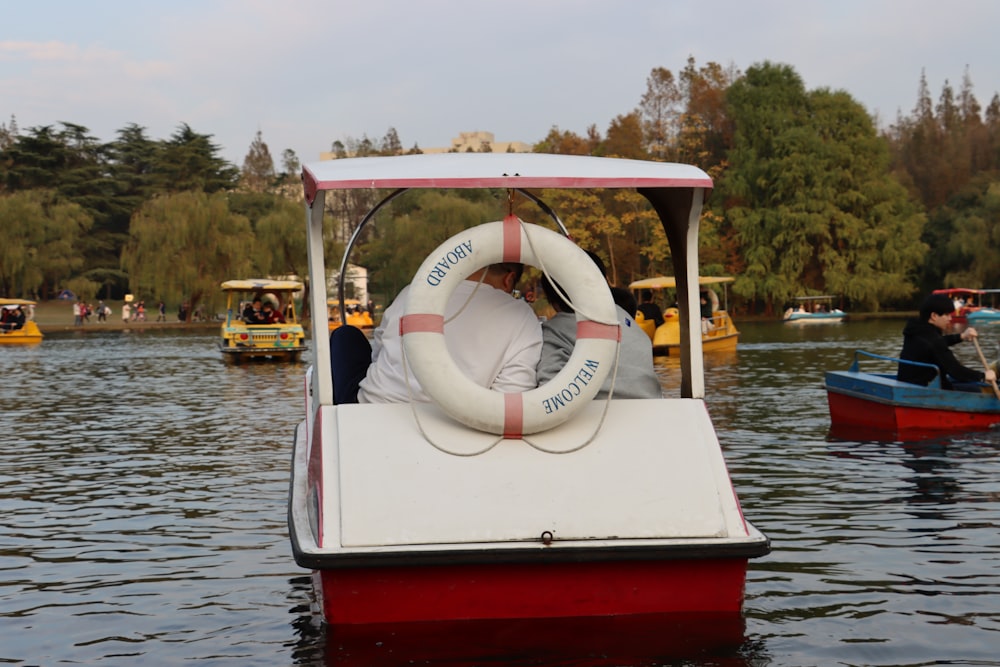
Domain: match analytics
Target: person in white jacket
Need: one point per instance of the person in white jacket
(496, 339)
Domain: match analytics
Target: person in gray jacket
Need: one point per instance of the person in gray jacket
(635, 378)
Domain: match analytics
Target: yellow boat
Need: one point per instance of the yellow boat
(718, 333)
(357, 314)
(282, 338)
(14, 331)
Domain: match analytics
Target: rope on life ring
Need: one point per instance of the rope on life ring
(511, 415)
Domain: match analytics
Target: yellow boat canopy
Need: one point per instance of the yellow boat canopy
(669, 282)
(262, 285)
(16, 302)
(347, 302)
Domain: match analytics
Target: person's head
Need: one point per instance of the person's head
(556, 301)
(256, 303)
(625, 300)
(503, 276)
(647, 295)
(268, 307)
(937, 309)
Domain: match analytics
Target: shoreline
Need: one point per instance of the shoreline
(47, 328)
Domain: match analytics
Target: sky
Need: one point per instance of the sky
(306, 73)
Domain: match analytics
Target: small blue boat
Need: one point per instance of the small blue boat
(988, 310)
(879, 403)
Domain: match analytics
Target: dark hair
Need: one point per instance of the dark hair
(647, 295)
(504, 268)
(937, 304)
(625, 300)
(553, 297)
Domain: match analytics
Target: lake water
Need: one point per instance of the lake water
(143, 486)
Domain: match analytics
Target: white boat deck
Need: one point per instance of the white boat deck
(655, 471)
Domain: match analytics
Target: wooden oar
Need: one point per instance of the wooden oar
(996, 390)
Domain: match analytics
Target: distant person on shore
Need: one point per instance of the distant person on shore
(161, 315)
(926, 339)
(78, 313)
(102, 315)
(126, 312)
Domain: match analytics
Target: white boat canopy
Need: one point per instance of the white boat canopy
(676, 192)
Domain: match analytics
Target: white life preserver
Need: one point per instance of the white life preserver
(535, 410)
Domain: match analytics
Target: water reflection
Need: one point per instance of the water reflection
(144, 485)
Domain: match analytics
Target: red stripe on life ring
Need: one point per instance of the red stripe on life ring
(592, 329)
(421, 323)
(511, 239)
(513, 416)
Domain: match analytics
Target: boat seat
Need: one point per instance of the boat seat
(350, 356)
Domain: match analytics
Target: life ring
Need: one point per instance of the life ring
(535, 410)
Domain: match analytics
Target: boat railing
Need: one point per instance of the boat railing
(855, 368)
(717, 325)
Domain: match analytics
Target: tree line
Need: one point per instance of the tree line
(810, 197)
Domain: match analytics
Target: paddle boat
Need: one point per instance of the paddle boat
(814, 310)
(479, 506)
(282, 338)
(352, 311)
(16, 328)
(967, 301)
(718, 332)
(878, 403)
(988, 311)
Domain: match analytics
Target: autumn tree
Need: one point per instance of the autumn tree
(8, 133)
(258, 173)
(660, 109)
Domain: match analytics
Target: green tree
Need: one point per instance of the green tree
(183, 246)
(810, 196)
(406, 234)
(190, 162)
(973, 217)
(41, 239)
(280, 248)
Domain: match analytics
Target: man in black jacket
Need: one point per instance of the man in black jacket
(926, 339)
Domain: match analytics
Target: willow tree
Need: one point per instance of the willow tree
(182, 246)
(810, 196)
(40, 248)
(973, 215)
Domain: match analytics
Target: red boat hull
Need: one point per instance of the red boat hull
(595, 642)
(861, 413)
(399, 594)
